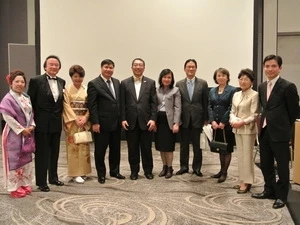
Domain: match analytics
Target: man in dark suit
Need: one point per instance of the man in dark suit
(104, 107)
(46, 93)
(194, 113)
(280, 103)
(138, 115)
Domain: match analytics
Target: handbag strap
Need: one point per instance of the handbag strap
(223, 135)
(81, 129)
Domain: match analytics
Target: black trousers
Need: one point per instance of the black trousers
(270, 150)
(46, 157)
(188, 135)
(140, 143)
(103, 140)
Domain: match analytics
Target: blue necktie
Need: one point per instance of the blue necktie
(190, 87)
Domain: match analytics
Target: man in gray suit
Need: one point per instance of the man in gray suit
(138, 116)
(194, 101)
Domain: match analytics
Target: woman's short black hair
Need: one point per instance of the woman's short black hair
(163, 73)
(247, 72)
(224, 71)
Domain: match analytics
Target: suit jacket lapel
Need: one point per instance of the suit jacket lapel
(132, 88)
(196, 86)
(60, 89)
(264, 94)
(185, 90)
(116, 87)
(143, 85)
(47, 88)
(103, 84)
(274, 89)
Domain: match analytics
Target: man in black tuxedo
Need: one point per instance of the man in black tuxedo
(194, 113)
(46, 93)
(138, 116)
(104, 108)
(280, 103)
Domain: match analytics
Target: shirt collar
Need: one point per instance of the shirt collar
(136, 79)
(190, 80)
(274, 80)
(104, 78)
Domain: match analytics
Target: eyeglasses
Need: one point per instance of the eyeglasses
(244, 79)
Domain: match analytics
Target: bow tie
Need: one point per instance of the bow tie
(51, 78)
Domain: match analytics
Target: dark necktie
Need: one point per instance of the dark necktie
(51, 78)
(110, 88)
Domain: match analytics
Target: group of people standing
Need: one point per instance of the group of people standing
(141, 109)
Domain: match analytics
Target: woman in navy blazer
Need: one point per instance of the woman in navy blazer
(168, 120)
(219, 106)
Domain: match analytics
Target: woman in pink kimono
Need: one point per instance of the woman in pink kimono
(17, 137)
(75, 117)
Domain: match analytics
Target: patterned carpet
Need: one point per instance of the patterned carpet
(181, 200)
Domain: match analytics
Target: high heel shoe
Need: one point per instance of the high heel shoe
(169, 172)
(237, 186)
(245, 190)
(164, 171)
(222, 178)
(218, 175)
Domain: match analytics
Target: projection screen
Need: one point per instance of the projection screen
(164, 33)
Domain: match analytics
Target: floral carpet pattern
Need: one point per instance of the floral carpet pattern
(182, 200)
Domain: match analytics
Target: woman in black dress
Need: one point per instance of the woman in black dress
(168, 120)
(219, 106)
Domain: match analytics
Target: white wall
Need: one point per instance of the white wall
(164, 33)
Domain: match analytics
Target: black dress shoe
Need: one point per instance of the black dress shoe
(44, 188)
(278, 204)
(149, 176)
(198, 173)
(118, 176)
(101, 180)
(57, 183)
(133, 176)
(182, 171)
(263, 195)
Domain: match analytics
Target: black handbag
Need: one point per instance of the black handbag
(218, 146)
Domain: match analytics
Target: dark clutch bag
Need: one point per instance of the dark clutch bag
(218, 146)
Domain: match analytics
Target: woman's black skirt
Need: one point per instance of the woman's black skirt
(164, 137)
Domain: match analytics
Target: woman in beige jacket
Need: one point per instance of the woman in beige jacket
(243, 114)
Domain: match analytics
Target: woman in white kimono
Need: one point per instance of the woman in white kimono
(75, 117)
(17, 137)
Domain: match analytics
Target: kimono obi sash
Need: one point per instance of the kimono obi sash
(79, 107)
